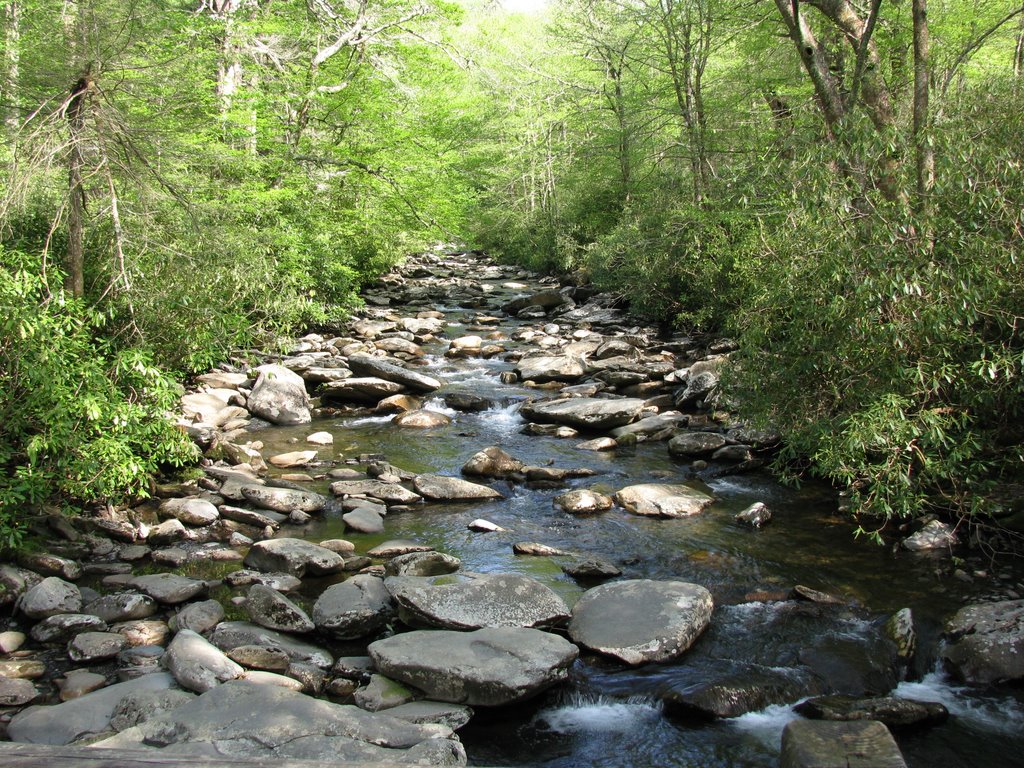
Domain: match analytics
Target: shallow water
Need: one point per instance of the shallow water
(610, 716)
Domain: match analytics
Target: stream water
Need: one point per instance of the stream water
(609, 715)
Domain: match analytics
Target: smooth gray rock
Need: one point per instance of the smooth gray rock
(442, 488)
(383, 693)
(492, 462)
(695, 444)
(64, 626)
(64, 723)
(243, 719)
(390, 493)
(200, 617)
(359, 607)
(16, 692)
(489, 667)
(583, 502)
(190, 511)
(421, 418)
(895, 712)
(168, 532)
(824, 744)
(755, 516)
(168, 588)
(662, 500)
(588, 413)
(361, 389)
(139, 706)
(95, 646)
(985, 643)
(197, 664)
(641, 621)
(475, 600)
(544, 368)
(284, 500)
(50, 597)
(934, 535)
(279, 396)
(294, 556)
(650, 425)
(366, 365)
(452, 715)
(231, 634)
(422, 564)
(269, 608)
(699, 387)
(364, 520)
(122, 606)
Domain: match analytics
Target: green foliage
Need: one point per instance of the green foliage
(79, 421)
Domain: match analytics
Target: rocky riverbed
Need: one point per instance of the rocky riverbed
(487, 501)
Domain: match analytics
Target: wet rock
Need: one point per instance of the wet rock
(820, 744)
(167, 532)
(123, 606)
(279, 396)
(398, 404)
(985, 643)
(22, 669)
(50, 597)
(467, 402)
(282, 582)
(641, 621)
(472, 600)
(64, 626)
(359, 607)
(488, 667)
(14, 582)
(283, 500)
(46, 564)
(492, 462)
(583, 502)
(363, 389)
(598, 444)
(190, 511)
(294, 556)
(651, 425)
(894, 712)
(584, 412)
(168, 588)
(731, 689)
(197, 664)
(699, 387)
(756, 515)
(231, 634)
(421, 419)
(95, 646)
(900, 630)
(143, 632)
(733, 453)
(801, 592)
(64, 723)
(422, 564)
(269, 608)
(442, 488)
(16, 692)
(293, 459)
(261, 657)
(544, 368)
(320, 438)
(250, 517)
(366, 365)
(592, 569)
(271, 722)
(695, 444)
(663, 500)
(199, 617)
(934, 535)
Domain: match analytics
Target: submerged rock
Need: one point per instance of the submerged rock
(894, 712)
(986, 643)
(817, 744)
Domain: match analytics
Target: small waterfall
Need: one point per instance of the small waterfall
(992, 713)
(584, 713)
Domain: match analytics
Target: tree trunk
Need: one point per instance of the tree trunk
(923, 151)
(74, 279)
(12, 66)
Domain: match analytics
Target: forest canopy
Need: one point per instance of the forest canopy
(837, 185)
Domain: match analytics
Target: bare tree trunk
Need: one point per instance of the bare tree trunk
(12, 66)
(923, 150)
(1018, 56)
(74, 279)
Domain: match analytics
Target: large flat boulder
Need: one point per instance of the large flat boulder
(986, 643)
(544, 368)
(591, 413)
(279, 396)
(294, 556)
(64, 723)
(662, 500)
(489, 667)
(242, 719)
(443, 488)
(825, 744)
(475, 600)
(284, 500)
(361, 389)
(641, 621)
(229, 635)
(367, 365)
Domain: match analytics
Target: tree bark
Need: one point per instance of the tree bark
(923, 151)
(74, 278)
(12, 65)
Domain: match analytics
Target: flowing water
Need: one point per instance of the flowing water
(610, 716)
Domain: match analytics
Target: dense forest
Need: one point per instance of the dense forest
(836, 185)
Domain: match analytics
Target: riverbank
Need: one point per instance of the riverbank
(439, 450)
